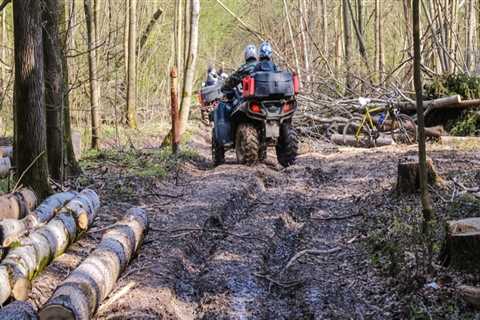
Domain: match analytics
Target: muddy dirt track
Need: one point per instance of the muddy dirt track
(262, 242)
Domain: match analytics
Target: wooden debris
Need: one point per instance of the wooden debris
(462, 245)
(12, 229)
(408, 177)
(33, 253)
(351, 140)
(18, 310)
(80, 295)
(17, 205)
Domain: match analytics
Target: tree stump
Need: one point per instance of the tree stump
(462, 245)
(408, 179)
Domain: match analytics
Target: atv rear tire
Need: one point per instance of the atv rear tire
(218, 151)
(247, 145)
(287, 145)
(262, 153)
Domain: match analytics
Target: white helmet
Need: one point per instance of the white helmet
(250, 52)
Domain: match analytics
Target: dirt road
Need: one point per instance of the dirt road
(262, 242)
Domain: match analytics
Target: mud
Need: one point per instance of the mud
(221, 238)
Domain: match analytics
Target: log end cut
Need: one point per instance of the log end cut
(56, 312)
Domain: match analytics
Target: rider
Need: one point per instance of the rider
(212, 77)
(246, 69)
(266, 63)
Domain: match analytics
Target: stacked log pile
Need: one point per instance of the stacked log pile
(321, 117)
(80, 295)
(31, 254)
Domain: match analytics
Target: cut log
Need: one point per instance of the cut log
(470, 294)
(408, 179)
(5, 167)
(80, 295)
(446, 102)
(462, 245)
(32, 254)
(6, 151)
(12, 229)
(18, 310)
(350, 140)
(17, 205)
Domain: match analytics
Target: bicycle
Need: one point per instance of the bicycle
(367, 128)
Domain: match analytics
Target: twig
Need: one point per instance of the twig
(309, 251)
(117, 296)
(285, 285)
(339, 217)
(26, 170)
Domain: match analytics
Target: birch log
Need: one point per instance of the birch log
(18, 310)
(80, 295)
(17, 205)
(12, 229)
(33, 253)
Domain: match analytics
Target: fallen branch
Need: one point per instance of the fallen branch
(308, 251)
(80, 295)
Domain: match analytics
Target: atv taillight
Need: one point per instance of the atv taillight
(296, 83)
(255, 108)
(287, 107)
(248, 84)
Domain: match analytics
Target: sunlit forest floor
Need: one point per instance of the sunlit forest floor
(327, 238)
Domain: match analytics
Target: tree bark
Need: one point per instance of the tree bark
(12, 229)
(347, 47)
(190, 66)
(132, 67)
(80, 295)
(54, 94)
(92, 71)
(408, 178)
(29, 98)
(71, 166)
(379, 46)
(33, 253)
(422, 152)
(462, 245)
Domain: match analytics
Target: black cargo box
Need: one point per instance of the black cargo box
(211, 93)
(273, 84)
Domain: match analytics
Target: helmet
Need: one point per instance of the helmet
(250, 52)
(265, 51)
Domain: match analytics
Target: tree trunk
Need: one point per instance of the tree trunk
(470, 28)
(33, 253)
(303, 32)
(93, 74)
(292, 39)
(12, 229)
(422, 152)
(54, 93)
(80, 295)
(379, 47)
(29, 98)
(190, 66)
(347, 47)
(132, 68)
(72, 168)
(17, 205)
(324, 27)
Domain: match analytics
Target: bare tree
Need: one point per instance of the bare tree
(30, 118)
(347, 45)
(92, 70)
(132, 66)
(190, 65)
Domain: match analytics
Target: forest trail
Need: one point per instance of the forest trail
(221, 238)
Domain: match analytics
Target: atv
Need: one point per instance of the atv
(261, 116)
